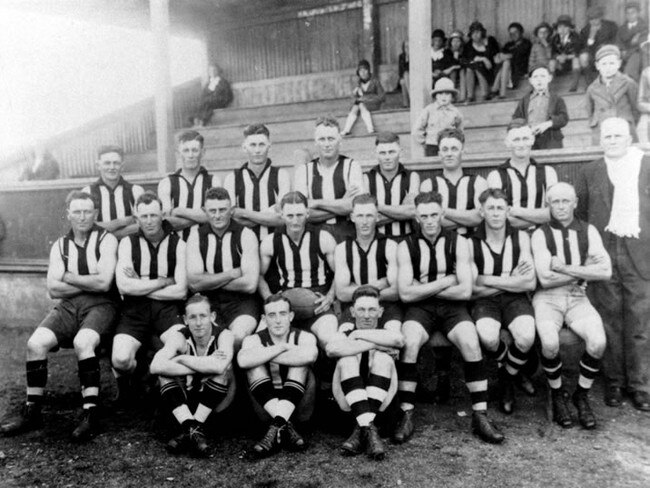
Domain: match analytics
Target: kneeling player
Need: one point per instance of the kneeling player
(503, 267)
(278, 360)
(194, 368)
(365, 379)
(568, 253)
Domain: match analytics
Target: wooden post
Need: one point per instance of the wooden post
(370, 41)
(420, 59)
(159, 11)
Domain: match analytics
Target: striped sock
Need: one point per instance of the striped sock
(515, 360)
(500, 354)
(476, 381)
(553, 369)
(89, 379)
(377, 389)
(407, 374)
(589, 367)
(356, 396)
(173, 395)
(36, 380)
(210, 396)
(263, 391)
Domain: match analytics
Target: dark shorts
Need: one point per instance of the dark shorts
(392, 311)
(143, 317)
(83, 311)
(229, 305)
(340, 231)
(504, 308)
(438, 315)
(307, 324)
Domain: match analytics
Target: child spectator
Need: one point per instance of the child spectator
(442, 60)
(541, 53)
(436, 116)
(629, 38)
(565, 47)
(403, 73)
(513, 60)
(368, 97)
(596, 33)
(543, 111)
(612, 94)
(479, 55)
(457, 75)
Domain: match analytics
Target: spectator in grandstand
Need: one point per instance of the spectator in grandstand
(629, 38)
(543, 110)
(368, 96)
(643, 128)
(565, 47)
(403, 73)
(436, 116)
(216, 93)
(456, 45)
(612, 93)
(442, 61)
(595, 34)
(42, 166)
(541, 52)
(512, 61)
(479, 55)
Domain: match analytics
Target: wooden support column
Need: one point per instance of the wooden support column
(159, 12)
(370, 34)
(420, 60)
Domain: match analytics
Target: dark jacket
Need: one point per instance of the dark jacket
(605, 35)
(595, 194)
(557, 112)
(617, 100)
(625, 36)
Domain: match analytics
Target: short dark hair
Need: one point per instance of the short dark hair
(477, 26)
(518, 26)
(450, 133)
(277, 297)
(293, 197)
(386, 137)
(633, 5)
(364, 199)
(255, 129)
(110, 148)
(328, 121)
(217, 193)
(197, 298)
(146, 198)
(428, 197)
(365, 291)
(496, 193)
(189, 135)
(80, 195)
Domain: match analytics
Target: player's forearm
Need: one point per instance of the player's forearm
(126, 231)
(344, 293)
(551, 279)
(179, 223)
(532, 215)
(466, 218)
(380, 337)
(460, 292)
(59, 289)
(397, 212)
(197, 216)
(298, 356)
(263, 288)
(419, 291)
(342, 206)
(389, 294)
(205, 364)
(91, 283)
(481, 291)
(140, 287)
(170, 368)
(347, 347)
(317, 216)
(209, 281)
(171, 292)
(514, 284)
(268, 218)
(590, 272)
(115, 224)
(256, 356)
(244, 284)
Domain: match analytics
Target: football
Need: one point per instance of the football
(303, 302)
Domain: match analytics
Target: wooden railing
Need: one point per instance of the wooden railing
(132, 127)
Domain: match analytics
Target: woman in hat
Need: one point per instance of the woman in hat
(479, 54)
(565, 47)
(368, 97)
(540, 54)
(456, 44)
(442, 60)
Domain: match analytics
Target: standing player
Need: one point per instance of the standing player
(569, 253)
(368, 259)
(365, 379)
(523, 179)
(151, 277)
(459, 191)
(194, 368)
(394, 186)
(182, 191)
(504, 271)
(257, 186)
(223, 262)
(115, 195)
(278, 360)
(80, 274)
(435, 281)
(330, 181)
(301, 256)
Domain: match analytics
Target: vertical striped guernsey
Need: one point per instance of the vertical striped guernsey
(570, 244)
(527, 190)
(461, 196)
(432, 261)
(255, 193)
(82, 260)
(301, 265)
(391, 193)
(220, 253)
(151, 261)
(113, 203)
(278, 372)
(366, 266)
(496, 263)
(329, 188)
(194, 380)
(187, 194)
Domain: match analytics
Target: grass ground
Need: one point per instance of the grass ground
(130, 450)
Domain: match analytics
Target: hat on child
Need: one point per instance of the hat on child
(457, 33)
(538, 66)
(444, 85)
(565, 20)
(608, 50)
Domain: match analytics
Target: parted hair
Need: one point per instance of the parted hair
(189, 135)
(386, 138)
(197, 298)
(450, 133)
(496, 193)
(217, 193)
(277, 297)
(328, 121)
(110, 148)
(363, 199)
(293, 197)
(365, 291)
(146, 198)
(428, 197)
(257, 128)
(80, 195)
